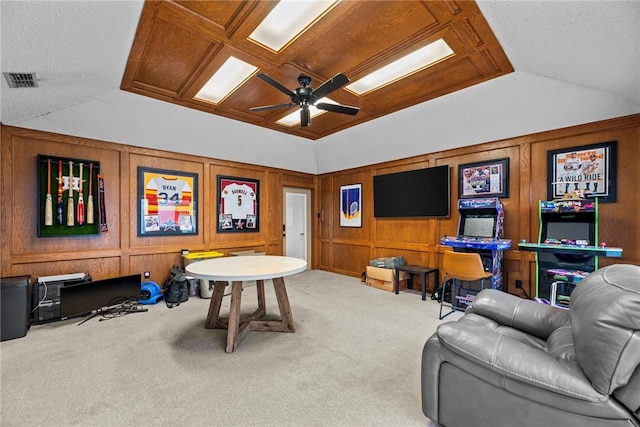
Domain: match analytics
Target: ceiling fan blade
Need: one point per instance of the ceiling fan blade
(342, 109)
(334, 83)
(271, 107)
(305, 117)
(265, 78)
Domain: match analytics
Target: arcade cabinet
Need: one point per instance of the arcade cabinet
(480, 229)
(567, 248)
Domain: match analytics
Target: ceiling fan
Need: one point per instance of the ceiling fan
(306, 96)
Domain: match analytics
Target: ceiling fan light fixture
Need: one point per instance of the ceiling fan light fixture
(288, 20)
(231, 75)
(403, 67)
(293, 119)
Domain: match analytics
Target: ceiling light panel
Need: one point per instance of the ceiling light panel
(403, 67)
(289, 19)
(293, 119)
(228, 78)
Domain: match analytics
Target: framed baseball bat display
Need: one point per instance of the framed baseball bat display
(48, 203)
(72, 178)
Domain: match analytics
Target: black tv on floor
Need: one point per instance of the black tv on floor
(83, 298)
(417, 193)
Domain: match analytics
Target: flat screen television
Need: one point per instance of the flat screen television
(417, 193)
(82, 298)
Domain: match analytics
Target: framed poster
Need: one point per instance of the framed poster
(67, 196)
(238, 205)
(585, 171)
(484, 179)
(351, 205)
(167, 202)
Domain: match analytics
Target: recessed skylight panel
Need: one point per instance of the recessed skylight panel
(288, 20)
(403, 67)
(228, 78)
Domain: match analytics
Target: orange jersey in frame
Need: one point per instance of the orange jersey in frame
(162, 193)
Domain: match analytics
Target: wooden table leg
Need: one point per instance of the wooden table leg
(237, 329)
(396, 281)
(234, 316)
(214, 307)
(262, 308)
(283, 304)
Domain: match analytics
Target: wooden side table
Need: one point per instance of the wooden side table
(416, 270)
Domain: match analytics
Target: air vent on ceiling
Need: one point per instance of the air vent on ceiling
(16, 80)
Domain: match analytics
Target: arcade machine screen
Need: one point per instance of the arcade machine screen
(558, 231)
(482, 226)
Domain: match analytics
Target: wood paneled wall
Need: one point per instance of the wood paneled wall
(342, 250)
(120, 251)
(348, 250)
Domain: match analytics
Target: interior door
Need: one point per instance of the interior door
(297, 223)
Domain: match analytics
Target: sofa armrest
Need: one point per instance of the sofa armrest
(511, 358)
(529, 316)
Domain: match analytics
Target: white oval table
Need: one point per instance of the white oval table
(244, 268)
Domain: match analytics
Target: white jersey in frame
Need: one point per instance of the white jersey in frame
(239, 200)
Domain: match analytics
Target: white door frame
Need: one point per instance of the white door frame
(307, 193)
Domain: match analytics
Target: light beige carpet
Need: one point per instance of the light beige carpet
(354, 360)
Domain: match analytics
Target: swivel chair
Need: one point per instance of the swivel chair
(459, 266)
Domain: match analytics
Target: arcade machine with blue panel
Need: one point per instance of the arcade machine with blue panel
(567, 248)
(480, 229)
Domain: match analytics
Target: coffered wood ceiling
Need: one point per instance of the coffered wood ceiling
(180, 44)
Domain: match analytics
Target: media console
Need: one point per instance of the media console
(72, 295)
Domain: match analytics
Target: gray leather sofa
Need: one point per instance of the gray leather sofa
(514, 362)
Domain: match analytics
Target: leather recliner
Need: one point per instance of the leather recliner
(515, 362)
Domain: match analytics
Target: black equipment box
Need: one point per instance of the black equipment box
(15, 306)
(46, 295)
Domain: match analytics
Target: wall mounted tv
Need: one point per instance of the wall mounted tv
(417, 193)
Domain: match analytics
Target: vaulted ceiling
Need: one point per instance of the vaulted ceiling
(179, 45)
(123, 71)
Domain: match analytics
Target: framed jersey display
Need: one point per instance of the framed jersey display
(167, 202)
(238, 204)
(585, 171)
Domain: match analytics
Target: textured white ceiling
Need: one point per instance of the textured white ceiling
(575, 62)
